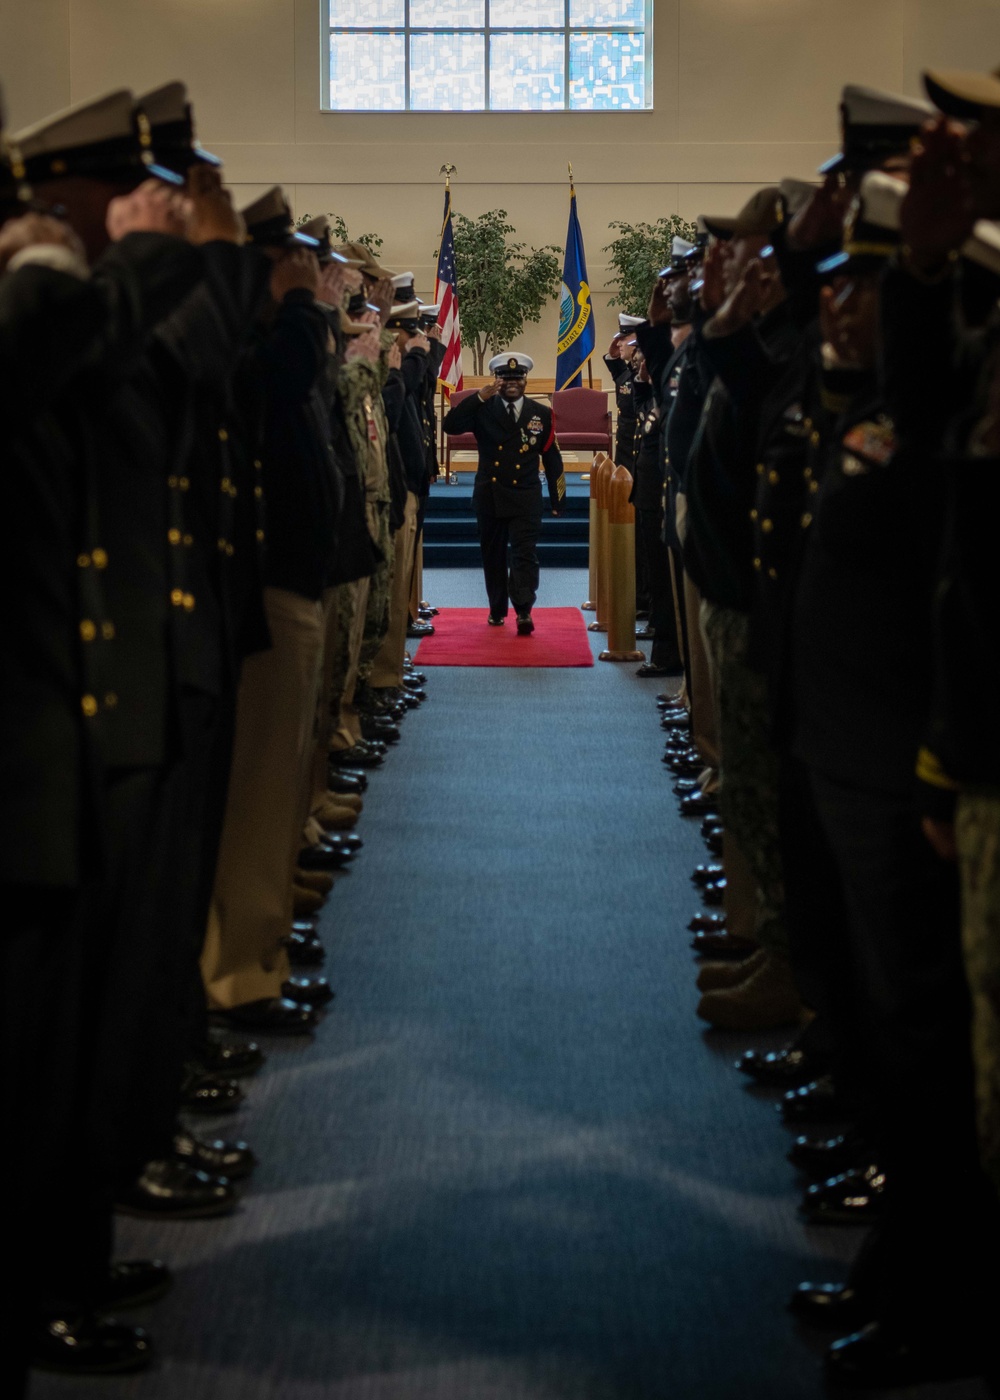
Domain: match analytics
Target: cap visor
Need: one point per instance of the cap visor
(304, 240)
(160, 172)
(829, 267)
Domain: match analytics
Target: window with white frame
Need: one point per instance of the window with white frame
(489, 55)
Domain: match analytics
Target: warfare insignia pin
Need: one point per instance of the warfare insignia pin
(535, 425)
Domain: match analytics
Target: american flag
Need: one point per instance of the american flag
(446, 296)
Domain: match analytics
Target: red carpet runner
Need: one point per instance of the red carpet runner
(463, 638)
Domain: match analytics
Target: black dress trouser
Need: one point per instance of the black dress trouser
(900, 943)
(516, 582)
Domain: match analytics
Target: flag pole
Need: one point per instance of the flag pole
(572, 192)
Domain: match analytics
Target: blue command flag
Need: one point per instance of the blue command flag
(577, 333)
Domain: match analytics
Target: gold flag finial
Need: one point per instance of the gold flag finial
(569, 167)
(448, 171)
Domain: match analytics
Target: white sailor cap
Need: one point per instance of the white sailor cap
(628, 323)
(402, 285)
(319, 228)
(404, 316)
(171, 123)
(269, 223)
(105, 138)
(433, 311)
(875, 125)
(511, 365)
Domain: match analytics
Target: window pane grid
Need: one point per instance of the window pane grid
(482, 55)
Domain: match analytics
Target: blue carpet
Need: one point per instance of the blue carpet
(510, 1166)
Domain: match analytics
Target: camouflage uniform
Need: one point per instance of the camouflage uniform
(977, 833)
(360, 385)
(748, 775)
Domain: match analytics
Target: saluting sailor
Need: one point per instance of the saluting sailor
(516, 436)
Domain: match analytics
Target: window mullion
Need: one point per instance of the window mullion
(406, 42)
(487, 60)
(566, 101)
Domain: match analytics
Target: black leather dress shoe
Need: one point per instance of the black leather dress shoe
(678, 724)
(681, 787)
(355, 757)
(271, 1016)
(172, 1190)
(698, 804)
(670, 700)
(821, 1158)
(218, 1158)
(86, 1346)
(414, 679)
(305, 949)
(877, 1358)
(492, 621)
(308, 991)
(341, 841)
(323, 857)
(679, 744)
(828, 1305)
(684, 765)
(648, 670)
(645, 634)
(714, 843)
(815, 1102)
(339, 780)
(707, 874)
(420, 629)
(132, 1283)
(711, 824)
(708, 922)
(853, 1198)
(429, 607)
(372, 746)
(781, 1069)
(715, 891)
(233, 1060)
(413, 699)
(201, 1093)
(716, 944)
(380, 730)
(525, 625)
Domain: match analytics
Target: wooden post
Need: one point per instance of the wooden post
(621, 570)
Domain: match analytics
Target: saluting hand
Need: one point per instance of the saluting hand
(937, 214)
(152, 208)
(211, 217)
(658, 311)
(32, 229)
(381, 295)
(820, 221)
(488, 391)
(298, 269)
(713, 286)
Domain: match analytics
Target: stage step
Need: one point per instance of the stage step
(450, 539)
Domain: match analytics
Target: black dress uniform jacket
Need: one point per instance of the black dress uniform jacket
(508, 480)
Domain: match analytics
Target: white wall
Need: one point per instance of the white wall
(745, 91)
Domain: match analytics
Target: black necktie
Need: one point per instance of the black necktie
(511, 413)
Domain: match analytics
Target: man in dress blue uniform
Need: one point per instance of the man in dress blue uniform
(515, 435)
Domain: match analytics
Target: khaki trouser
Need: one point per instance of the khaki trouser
(324, 716)
(388, 666)
(352, 604)
(417, 579)
(269, 788)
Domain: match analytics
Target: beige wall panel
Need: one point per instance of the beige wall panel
(689, 162)
(237, 57)
(34, 59)
(771, 70)
(949, 34)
